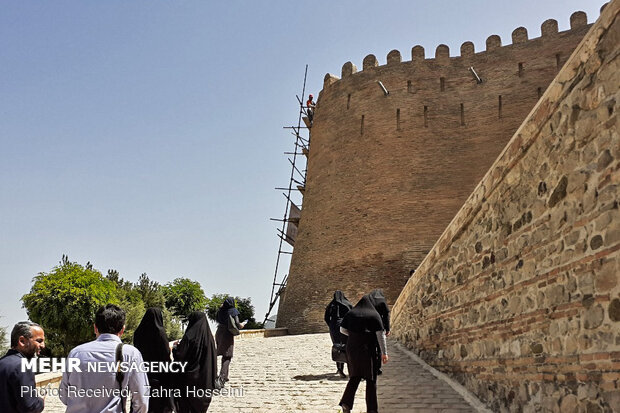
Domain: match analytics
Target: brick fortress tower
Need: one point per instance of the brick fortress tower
(388, 171)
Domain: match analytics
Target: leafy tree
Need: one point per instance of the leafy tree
(150, 291)
(172, 325)
(121, 283)
(129, 300)
(4, 341)
(136, 298)
(134, 311)
(244, 305)
(64, 302)
(183, 296)
(214, 303)
(246, 312)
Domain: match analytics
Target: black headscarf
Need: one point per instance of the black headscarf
(337, 308)
(150, 337)
(363, 318)
(339, 298)
(227, 309)
(197, 348)
(378, 301)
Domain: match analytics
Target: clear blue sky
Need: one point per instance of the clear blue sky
(146, 136)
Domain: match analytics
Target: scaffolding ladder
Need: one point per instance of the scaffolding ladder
(292, 211)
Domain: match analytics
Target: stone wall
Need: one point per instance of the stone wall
(386, 174)
(519, 299)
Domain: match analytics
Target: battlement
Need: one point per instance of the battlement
(549, 30)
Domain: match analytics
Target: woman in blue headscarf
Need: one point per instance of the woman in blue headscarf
(228, 319)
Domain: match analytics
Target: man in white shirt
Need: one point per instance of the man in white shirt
(99, 391)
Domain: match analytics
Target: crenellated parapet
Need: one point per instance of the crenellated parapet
(549, 30)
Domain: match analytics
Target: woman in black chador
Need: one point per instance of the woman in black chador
(365, 330)
(378, 301)
(197, 348)
(334, 313)
(227, 314)
(151, 339)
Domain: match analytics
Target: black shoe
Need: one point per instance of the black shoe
(341, 374)
(345, 408)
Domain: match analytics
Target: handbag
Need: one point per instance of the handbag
(339, 353)
(232, 326)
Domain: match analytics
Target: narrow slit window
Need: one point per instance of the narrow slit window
(499, 107)
(362, 126)
(442, 84)
(540, 92)
(397, 119)
(462, 115)
(558, 61)
(426, 116)
(409, 86)
(349, 101)
(520, 69)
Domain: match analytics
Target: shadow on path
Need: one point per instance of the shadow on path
(318, 377)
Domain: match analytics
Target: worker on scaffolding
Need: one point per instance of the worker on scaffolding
(310, 105)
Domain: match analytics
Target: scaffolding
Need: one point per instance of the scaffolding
(293, 193)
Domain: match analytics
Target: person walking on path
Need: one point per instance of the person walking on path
(27, 341)
(151, 339)
(334, 313)
(197, 348)
(107, 348)
(378, 301)
(227, 318)
(365, 330)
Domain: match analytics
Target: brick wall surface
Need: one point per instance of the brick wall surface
(519, 299)
(386, 174)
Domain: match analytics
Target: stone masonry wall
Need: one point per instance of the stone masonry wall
(386, 174)
(519, 299)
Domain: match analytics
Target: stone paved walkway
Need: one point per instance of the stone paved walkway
(295, 373)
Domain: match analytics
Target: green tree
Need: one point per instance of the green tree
(150, 291)
(172, 325)
(4, 341)
(183, 296)
(136, 298)
(64, 302)
(244, 305)
(246, 312)
(129, 300)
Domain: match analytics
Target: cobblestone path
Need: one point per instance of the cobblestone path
(295, 373)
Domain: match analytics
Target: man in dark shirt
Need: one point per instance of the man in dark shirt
(16, 386)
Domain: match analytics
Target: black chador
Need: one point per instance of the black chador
(197, 348)
(334, 313)
(363, 326)
(362, 323)
(151, 339)
(378, 301)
